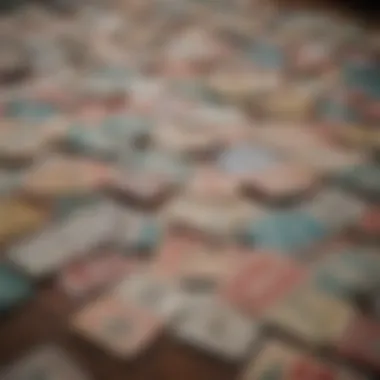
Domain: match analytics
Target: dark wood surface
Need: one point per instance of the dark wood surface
(44, 320)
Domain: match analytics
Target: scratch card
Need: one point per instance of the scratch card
(30, 110)
(278, 361)
(22, 141)
(288, 138)
(137, 231)
(123, 330)
(293, 104)
(360, 341)
(168, 261)
(206, 266)
(210, 184)
(58, 176)
(45, 362)
(328, 158)
(223, 219)
(244, 160)
(335, 209)
(151, 294)
(348, 272)
(80, 232)
(283, 181)
(92, 142)
(18, 217)
(210, 324)
(313, 316)
(142, 186)
(290, 232)
(261, 281)
(182, 138)
(92, 273)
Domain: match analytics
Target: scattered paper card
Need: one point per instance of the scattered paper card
(123, 330)
(211, 324)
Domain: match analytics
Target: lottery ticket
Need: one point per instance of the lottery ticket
(58, 176)
(245, 160)
(315, 317)
(123, 330)
(347, 272)
(212, 325)
(22, 142)
(284, 181)
(48, 362)
(290, 232)
(224, 219)
(144, 187)
(96, 272)
(80, 232)
(261, 281)
(336, 209)
(137, 231)
(279, 361)
(151, 294)
(180, 138)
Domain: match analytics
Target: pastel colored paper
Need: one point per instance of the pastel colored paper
(290, 232)
(15, 288)
(209, 265)
(261, 281)
(336, 209)
(81, 231)
(47, 362)
(150, 294)
(169, 259)
(283, 181)
(245, 160)
(315, 317)
(144, 187)
(30, 110)
(216, 219)
(23, 141)
(19, 217)
(180, 138)
(348, 272)
(59, 176)
(292, 104)
(277, 361)
(123, 330)
(90, 274)
(137, 231)
(214, 326)
(91, 142)
(210, 184)
(289, 138)
(267, 56)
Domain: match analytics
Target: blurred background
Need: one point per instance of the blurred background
(189, 190)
